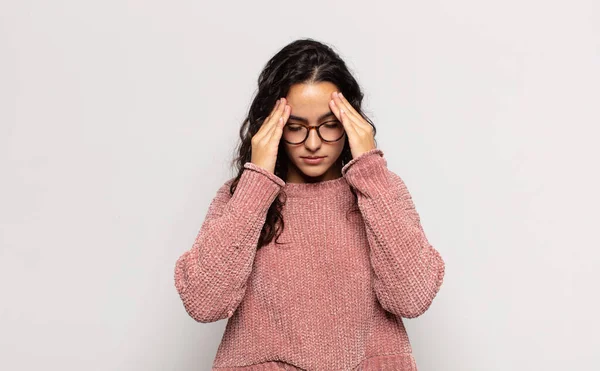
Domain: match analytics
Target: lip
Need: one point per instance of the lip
(313, 160)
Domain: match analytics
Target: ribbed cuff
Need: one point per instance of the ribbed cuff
(368, 172)
(252, 166)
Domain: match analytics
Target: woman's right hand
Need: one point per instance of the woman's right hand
(265, 143)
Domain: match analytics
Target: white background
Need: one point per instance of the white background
(118, 120)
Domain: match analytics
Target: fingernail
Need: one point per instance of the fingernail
(340, 94)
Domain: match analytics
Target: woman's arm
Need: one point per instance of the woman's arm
(211, 277)
(408, 270)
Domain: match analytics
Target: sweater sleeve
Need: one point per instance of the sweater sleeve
(211, 276)
(408, 271)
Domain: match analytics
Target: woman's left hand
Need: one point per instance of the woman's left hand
(359, 131)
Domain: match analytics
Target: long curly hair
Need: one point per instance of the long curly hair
(301, 61)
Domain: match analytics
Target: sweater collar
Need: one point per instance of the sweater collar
(324, 188)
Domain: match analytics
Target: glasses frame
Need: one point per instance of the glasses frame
(317, 128)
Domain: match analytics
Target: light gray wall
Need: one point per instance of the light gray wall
(118, 119)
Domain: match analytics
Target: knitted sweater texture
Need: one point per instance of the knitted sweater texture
(333, 295)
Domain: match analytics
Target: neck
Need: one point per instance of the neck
(295, 175)
(329, 184)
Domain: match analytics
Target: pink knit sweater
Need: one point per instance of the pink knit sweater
(333, 296)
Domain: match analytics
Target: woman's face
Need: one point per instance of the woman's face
(310, 106)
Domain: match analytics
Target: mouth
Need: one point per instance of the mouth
(313, 160)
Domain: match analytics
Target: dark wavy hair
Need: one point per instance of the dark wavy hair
(301, 61)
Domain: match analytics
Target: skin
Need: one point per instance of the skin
(311, 101)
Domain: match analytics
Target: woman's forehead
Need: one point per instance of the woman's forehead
(310, 101)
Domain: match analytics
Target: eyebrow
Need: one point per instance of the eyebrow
(323, 116)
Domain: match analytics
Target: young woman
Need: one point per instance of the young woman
(314, 251)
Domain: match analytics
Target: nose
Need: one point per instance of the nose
(313, 142)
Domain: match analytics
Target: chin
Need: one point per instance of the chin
(314, 171)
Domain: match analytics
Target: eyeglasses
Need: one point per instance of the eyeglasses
(328, 132)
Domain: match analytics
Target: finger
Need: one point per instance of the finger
(278, 111)
(349, 127)
(268, 118)
(351, 112)
(361, 126)
(277, 128)
(273, 112)
(268, 122)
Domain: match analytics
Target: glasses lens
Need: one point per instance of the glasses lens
(331, 131)
(294, 133)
